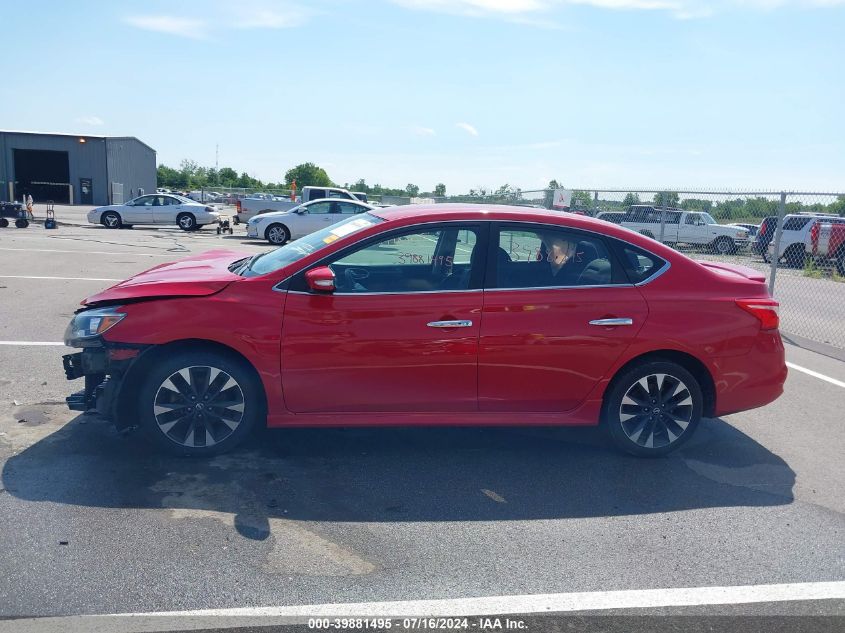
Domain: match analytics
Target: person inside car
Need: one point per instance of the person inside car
(560, 256)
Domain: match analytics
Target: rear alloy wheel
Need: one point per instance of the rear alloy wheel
(724, 246)
(653, 408)
(277, 234)
(111, 220)
(199, 403)
(186, 222)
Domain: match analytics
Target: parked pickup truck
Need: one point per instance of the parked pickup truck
(684, 227)
(828, 242)
(249, 207)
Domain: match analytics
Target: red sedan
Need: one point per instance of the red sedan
(432, 315)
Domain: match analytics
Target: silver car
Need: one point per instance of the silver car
(155, 209)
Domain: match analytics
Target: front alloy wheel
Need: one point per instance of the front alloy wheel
(653, 408)
(199, 402)
(198, 406)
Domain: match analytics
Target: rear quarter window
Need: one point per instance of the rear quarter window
(639, 265)
(795, 224)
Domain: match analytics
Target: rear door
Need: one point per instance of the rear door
(548, 339)
(399, 333)
(165, 209)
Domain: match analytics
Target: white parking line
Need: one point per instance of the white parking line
(816, 374)
(173, 255)
(60, 278)
(548, 603)
(31, 343)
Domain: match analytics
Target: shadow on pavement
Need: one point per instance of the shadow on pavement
(400, 474)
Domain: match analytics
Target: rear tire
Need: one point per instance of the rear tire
(111, 220)
(199, 403)
(3, 223)
(652, 408)
(186, 221)
(795, 256)
(21, 223)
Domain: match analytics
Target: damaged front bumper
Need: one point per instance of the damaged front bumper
(103, 369)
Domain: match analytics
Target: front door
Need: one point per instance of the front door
(86, 191)
(139, 210)
(399, 333)
(557, 314)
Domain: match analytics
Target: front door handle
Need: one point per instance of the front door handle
(449, 324)
(612, 322)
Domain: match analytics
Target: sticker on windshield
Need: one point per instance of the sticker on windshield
(330, 238)
(350, 227)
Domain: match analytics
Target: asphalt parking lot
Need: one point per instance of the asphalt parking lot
(97, 522)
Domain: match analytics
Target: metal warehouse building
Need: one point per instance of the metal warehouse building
(74, 169)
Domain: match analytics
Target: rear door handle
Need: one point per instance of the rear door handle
(612, 322)
(449, 324)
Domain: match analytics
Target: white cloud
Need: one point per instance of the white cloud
(90, 120)
(422, 131)
(250, 16)
(170, 24)
(469, 129)
(529, 11)
(270, 18)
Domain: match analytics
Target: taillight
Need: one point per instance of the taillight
(763, 227)
(814, 234)
(766, 311)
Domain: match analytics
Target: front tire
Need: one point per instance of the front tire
(652, 408)
(277, 234)
(111, 220)
(199, 403)
(724, 246)
(186, 222)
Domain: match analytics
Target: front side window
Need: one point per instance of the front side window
(348, 208)
(550, 257)
(144, 201)
(420, 261)
(319, 207)
(693, 218)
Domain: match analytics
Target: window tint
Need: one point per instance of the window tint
(424, 260)
(348, 208)
(169, 200)
(795, 224)
(537, 258)
(639, 265)
(316, 194)
(319, 207)
(145, 201)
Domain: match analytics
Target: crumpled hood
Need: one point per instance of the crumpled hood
(203, 274)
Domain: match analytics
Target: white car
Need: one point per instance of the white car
(795, 241)
(155, 209)
(277, 227)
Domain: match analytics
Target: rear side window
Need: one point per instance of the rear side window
(639, 265)
(795, 224)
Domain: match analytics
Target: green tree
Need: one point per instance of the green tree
(412, 190)
(307, 175)
(581, 200)
(667, 198)
(440, 190)
(696, 204)
(629, 199)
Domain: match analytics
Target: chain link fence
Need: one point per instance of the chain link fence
(797, 240)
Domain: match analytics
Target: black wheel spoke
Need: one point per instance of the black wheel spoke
(656, 410)
(199, 406)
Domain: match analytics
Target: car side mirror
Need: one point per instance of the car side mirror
(301, 211)
(320, 279)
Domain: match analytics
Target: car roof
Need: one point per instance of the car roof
(469, 212)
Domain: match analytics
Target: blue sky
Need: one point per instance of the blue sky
(595, 93)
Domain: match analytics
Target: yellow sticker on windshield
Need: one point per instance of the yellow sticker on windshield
(330, 238)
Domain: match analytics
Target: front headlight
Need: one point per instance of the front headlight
(741, 234)
(84, 328)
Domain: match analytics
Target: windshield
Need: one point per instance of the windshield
(294, 251)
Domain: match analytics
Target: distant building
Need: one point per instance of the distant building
(74, 168)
